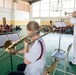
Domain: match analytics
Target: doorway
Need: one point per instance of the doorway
(4, 21)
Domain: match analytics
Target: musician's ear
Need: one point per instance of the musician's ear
(29, 32)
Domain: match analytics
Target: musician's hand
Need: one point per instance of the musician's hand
(12, 52)
(19, 52)
(26, 43)
(26, 47)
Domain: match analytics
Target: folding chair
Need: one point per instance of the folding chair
(13, 37)
(51, 70)
(62, 56)
(3, 39)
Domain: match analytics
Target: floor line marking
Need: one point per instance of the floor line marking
(20, 56)
(62, 71)
(66, 72)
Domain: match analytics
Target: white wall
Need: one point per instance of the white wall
(10, 14)
(21, 15)
(13, 15)
(4, 12)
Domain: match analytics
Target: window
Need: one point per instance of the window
(36, 9)
(44, 11)
(55, 14)
(35, 14)
(44, 14)
(53, 8)
(8, 4)
(1, 3)
(38, 20)
(45, 6)
(45, 1)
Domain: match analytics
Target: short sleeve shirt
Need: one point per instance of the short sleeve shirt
(36, 67)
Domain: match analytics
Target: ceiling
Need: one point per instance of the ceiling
(31, 1)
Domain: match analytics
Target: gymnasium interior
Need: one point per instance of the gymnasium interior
(16, 14)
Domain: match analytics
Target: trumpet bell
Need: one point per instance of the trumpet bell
(7, 44)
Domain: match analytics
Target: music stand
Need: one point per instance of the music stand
(14, 38)
(58, 25)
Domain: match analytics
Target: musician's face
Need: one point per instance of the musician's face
(32, 37)
(74, 14)
(29, 32)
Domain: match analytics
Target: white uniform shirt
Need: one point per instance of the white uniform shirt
(73, 21)
(36, 67)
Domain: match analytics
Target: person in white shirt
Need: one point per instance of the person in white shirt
(73, 21)
(35, 55)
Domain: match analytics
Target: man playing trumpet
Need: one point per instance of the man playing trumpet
(73, 21)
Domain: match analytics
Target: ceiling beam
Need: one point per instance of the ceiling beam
(31, 1)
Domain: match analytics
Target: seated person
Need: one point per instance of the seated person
(34, 54)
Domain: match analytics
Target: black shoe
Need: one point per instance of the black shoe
(70, 63)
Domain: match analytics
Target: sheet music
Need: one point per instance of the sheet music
(63, 24)
(60, 24)
(3, 39)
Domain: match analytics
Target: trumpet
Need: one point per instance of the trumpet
(9, 45)
(67, 13)
(73, 14)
